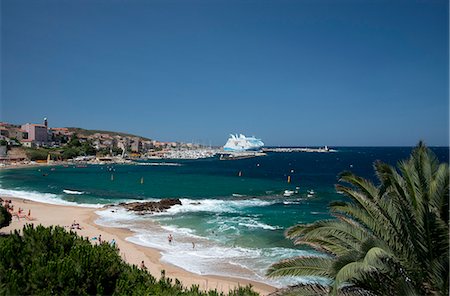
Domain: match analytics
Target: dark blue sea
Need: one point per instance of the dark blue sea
(234, 211)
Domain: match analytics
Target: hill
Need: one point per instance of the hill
(87, 133)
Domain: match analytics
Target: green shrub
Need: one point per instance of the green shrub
(74, 142)
(5, 217)
(52, 261)
(70, 153)
(37, 154)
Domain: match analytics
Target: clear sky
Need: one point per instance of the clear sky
(353, 73)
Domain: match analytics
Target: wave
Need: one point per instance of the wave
(292, 202)
(255, 224)
(67, 191)
(204, 252)
(212, 258)
(48, 198)
(236, 223)
(204, 205)
(214, 205)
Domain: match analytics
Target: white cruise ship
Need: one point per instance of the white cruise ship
(242, 143)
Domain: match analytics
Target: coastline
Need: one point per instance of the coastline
(63, 215)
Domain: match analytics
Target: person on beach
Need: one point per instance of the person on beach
(99, 238)
(28, 217)
(193, 245)
(75, 225)
(170, 238)
(143, 267)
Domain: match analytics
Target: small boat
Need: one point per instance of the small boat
(311, 193)
(288, 193)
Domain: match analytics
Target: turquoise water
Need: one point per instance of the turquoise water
(237, 221)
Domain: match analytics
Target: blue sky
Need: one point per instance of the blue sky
(353, 73)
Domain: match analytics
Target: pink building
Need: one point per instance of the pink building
(37, 133)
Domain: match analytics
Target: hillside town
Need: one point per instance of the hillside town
(39, 141)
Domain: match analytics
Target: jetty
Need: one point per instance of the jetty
(234, 155)
(288, 149)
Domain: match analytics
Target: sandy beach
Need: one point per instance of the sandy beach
(47, 215)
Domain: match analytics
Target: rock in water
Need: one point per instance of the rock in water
(151, 206)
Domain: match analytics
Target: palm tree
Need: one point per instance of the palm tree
(390, 239)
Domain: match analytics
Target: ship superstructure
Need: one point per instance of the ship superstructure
(242, 143)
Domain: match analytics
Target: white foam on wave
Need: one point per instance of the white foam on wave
(117, 216)
(291, 202)
(216, 259)
(252, 223)
(203, 259)
(233, 223)
(209, 256)
(67, 191)
(180, 231)
(48, 198)
(214, 205)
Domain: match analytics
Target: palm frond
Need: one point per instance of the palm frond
(302, 266)
(389, 237)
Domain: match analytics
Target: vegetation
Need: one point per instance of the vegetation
(390, 239)
(52, 261)
(112, 151)
(86, 132)
(5, 217)
(37, 154)
(73, 149)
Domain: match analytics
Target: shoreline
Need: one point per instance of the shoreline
(63, 215)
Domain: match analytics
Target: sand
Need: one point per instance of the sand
(47, 215)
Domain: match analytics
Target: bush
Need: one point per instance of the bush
(70, 153)
(52, 261)
(74, 142)
(5, 217)
(87, 149)
(37, 154)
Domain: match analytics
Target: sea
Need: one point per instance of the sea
(233, 214)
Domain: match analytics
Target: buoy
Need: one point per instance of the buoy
(142, 180)
(112, 177)
(240, 173)
(289, 179)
